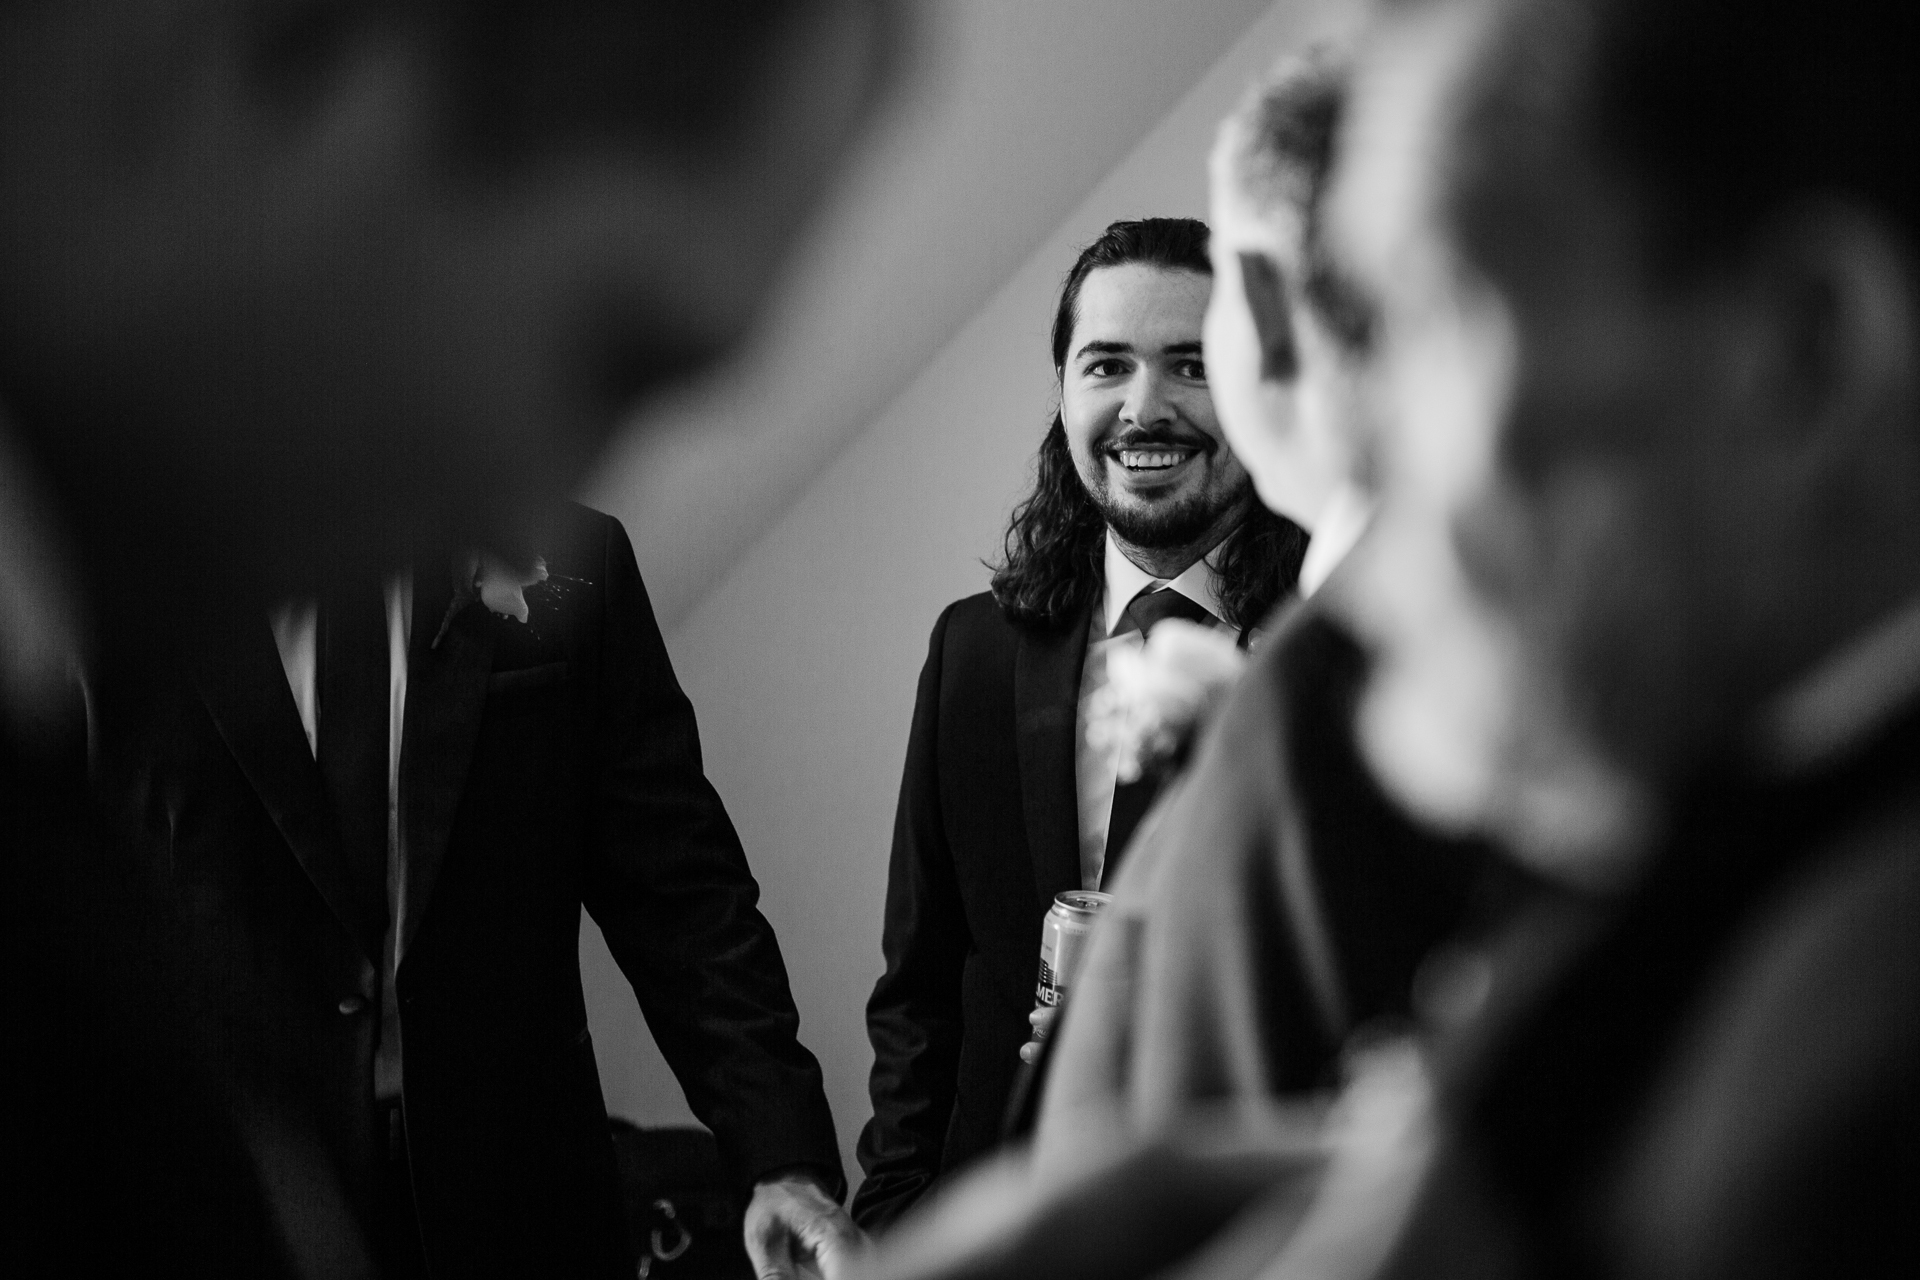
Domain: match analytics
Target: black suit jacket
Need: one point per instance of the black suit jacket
(1717, 1075)
(986, 833)
(546, 766)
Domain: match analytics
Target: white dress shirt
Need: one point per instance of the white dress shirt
(296, 635)
(1097, 769)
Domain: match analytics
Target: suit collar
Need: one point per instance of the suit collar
(244, 686)
(1046, 700)
(448, 664)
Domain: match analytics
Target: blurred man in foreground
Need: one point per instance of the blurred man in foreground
(288, 287)
(1644, 585)
(1646, 591)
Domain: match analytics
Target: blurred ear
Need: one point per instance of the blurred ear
(1265, 289)
(1832, 363)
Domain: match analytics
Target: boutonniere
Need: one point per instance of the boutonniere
(1160, 694)
(493, 582)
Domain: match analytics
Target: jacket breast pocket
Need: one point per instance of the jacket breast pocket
(526, 689)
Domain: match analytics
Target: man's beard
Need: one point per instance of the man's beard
(1166, 525)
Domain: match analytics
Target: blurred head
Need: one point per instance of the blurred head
(295, 281)
(1285, 335)
(1645, 271)
(1135, 451)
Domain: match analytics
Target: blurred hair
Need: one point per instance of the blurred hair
(1051, 567)
(1280, 151)
(1719, 113)
(523, 73)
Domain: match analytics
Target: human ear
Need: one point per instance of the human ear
(1265, 290)
(1834, 353)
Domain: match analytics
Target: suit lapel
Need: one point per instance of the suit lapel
(245, 688)
(446, 693)
(1046, 700)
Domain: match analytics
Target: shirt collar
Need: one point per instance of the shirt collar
(1125, 580)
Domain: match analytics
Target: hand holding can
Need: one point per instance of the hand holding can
(1063, 942)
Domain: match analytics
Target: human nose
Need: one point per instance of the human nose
(1147, 403)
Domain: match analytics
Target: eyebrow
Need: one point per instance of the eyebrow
(1126, 349)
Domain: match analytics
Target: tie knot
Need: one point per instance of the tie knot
(1154, 605)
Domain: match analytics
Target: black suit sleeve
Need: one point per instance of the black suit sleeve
(914, 1016)
(669, 885)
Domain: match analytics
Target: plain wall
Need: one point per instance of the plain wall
(802, 661)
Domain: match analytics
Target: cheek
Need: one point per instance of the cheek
(1261, 447)
(1086, 414)
(1439, 708)
(1195, 404)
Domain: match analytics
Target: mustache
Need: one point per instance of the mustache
(1158, 438)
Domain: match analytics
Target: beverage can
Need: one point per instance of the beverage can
(1063, 941)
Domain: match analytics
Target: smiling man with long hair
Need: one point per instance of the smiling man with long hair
(1139, 512)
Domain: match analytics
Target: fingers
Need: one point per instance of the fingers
(795, 1229)
(772, 1256)
(839, 1247)
(769, 1238)
(1041, 1020)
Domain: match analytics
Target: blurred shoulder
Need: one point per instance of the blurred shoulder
(1801, 1057)
(1306, 656)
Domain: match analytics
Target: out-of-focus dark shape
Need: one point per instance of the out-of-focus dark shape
(679, 1204)
(290, 286)
(1643, 587)
(1130, 1212)
(294, 281)
(549, 765)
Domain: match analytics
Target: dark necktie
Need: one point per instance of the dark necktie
(1131, 800)
(354, 709)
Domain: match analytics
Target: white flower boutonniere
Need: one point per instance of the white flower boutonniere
(503, 588)
(1159, 694)
(493, 582)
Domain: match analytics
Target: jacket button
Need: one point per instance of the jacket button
(352, 1005)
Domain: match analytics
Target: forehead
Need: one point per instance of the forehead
(1144, 306)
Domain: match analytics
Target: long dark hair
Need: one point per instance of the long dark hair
(1050, 568)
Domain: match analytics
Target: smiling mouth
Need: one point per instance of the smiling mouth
(1146, 459)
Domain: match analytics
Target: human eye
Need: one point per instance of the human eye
(1104, 367)
(1192, 368)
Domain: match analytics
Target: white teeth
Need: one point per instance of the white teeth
(1148, 459)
